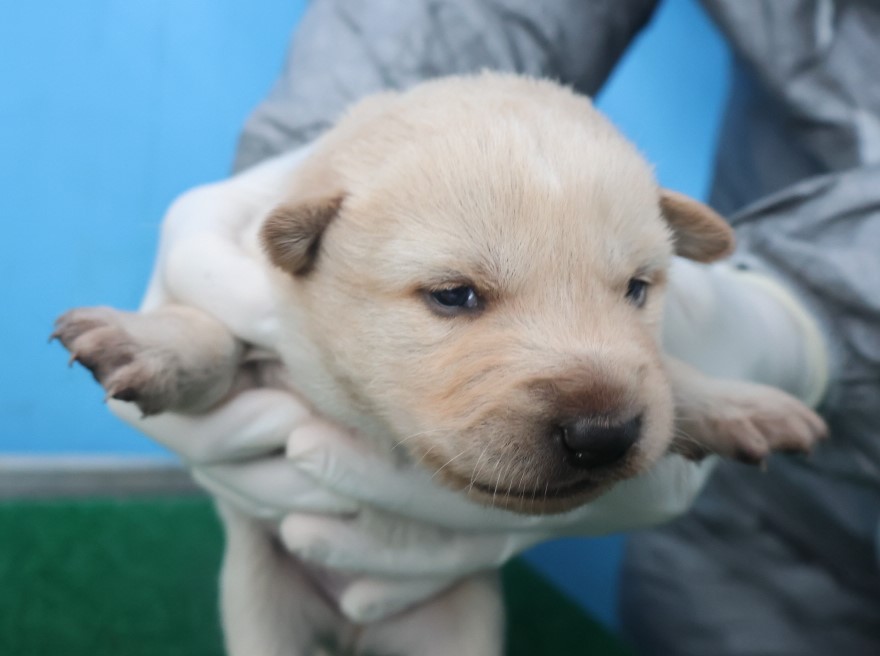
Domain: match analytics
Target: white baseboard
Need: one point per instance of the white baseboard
(45, 477)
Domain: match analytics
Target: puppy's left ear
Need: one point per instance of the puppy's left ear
(291, 234)
(699, 232)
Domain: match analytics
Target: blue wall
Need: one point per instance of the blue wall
(110, 108)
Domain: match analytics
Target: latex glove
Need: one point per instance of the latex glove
(397, 561)
(208, 251)
(235, 452)
(734, 323)
(414, 538)
(379, 543)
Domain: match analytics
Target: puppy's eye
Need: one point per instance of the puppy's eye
(637, 291)
(455, 299)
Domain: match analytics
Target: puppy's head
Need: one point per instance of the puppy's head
(482, 264)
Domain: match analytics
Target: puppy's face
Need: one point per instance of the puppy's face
(490, 286)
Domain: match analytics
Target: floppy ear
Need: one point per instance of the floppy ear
(291, 234)
(700, 233)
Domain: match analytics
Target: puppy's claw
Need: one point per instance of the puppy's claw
(128, 369)
(127, 394)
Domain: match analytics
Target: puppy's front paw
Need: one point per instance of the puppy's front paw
(129, 368)
(746, 422)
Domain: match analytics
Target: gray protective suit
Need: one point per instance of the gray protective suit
(783, 562)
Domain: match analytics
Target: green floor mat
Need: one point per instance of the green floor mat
(139, 578)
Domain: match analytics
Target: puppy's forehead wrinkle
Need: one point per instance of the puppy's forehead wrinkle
(568, 270)
(502, 240)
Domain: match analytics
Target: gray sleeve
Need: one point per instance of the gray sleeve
(759, 548)
(346, 49)
(821, 236)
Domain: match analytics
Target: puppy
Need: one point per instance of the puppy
(473, 270)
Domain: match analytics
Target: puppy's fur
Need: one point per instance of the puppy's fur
(550, 226)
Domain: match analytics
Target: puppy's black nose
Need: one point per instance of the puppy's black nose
(594, 442)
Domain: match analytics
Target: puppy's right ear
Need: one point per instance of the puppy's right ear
(699, 232)
(291, 235)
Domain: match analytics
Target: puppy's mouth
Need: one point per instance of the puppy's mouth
(538, 498)
(556, 492)
(546, 486)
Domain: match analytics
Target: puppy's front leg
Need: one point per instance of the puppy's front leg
(465, 620)
(269, 606)
(736, 419)
(173, 358)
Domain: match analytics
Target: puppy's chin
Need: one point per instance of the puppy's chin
(553, 501)
(552, 495)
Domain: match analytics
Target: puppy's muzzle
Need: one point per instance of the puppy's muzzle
(594, 442)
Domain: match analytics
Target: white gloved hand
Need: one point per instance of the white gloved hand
(740, 324)
(414, 538)
(401, 560)
(208, 250)
(235, 451)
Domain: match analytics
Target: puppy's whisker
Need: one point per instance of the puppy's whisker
(520, 486)
(425, 455)
(474, 471)
(403, 440)
(501, 471)
(522, 478)
(701, 447)
(488, 461)
(451, 460)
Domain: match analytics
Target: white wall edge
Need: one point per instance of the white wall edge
(83, 476)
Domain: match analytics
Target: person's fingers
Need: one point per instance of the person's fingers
(237, 452)
(343, 462)
(340, 461)
(370, 599)
(253, 423)
(376, 544)
(269, 488)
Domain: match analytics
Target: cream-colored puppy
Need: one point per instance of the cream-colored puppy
(472, 271)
